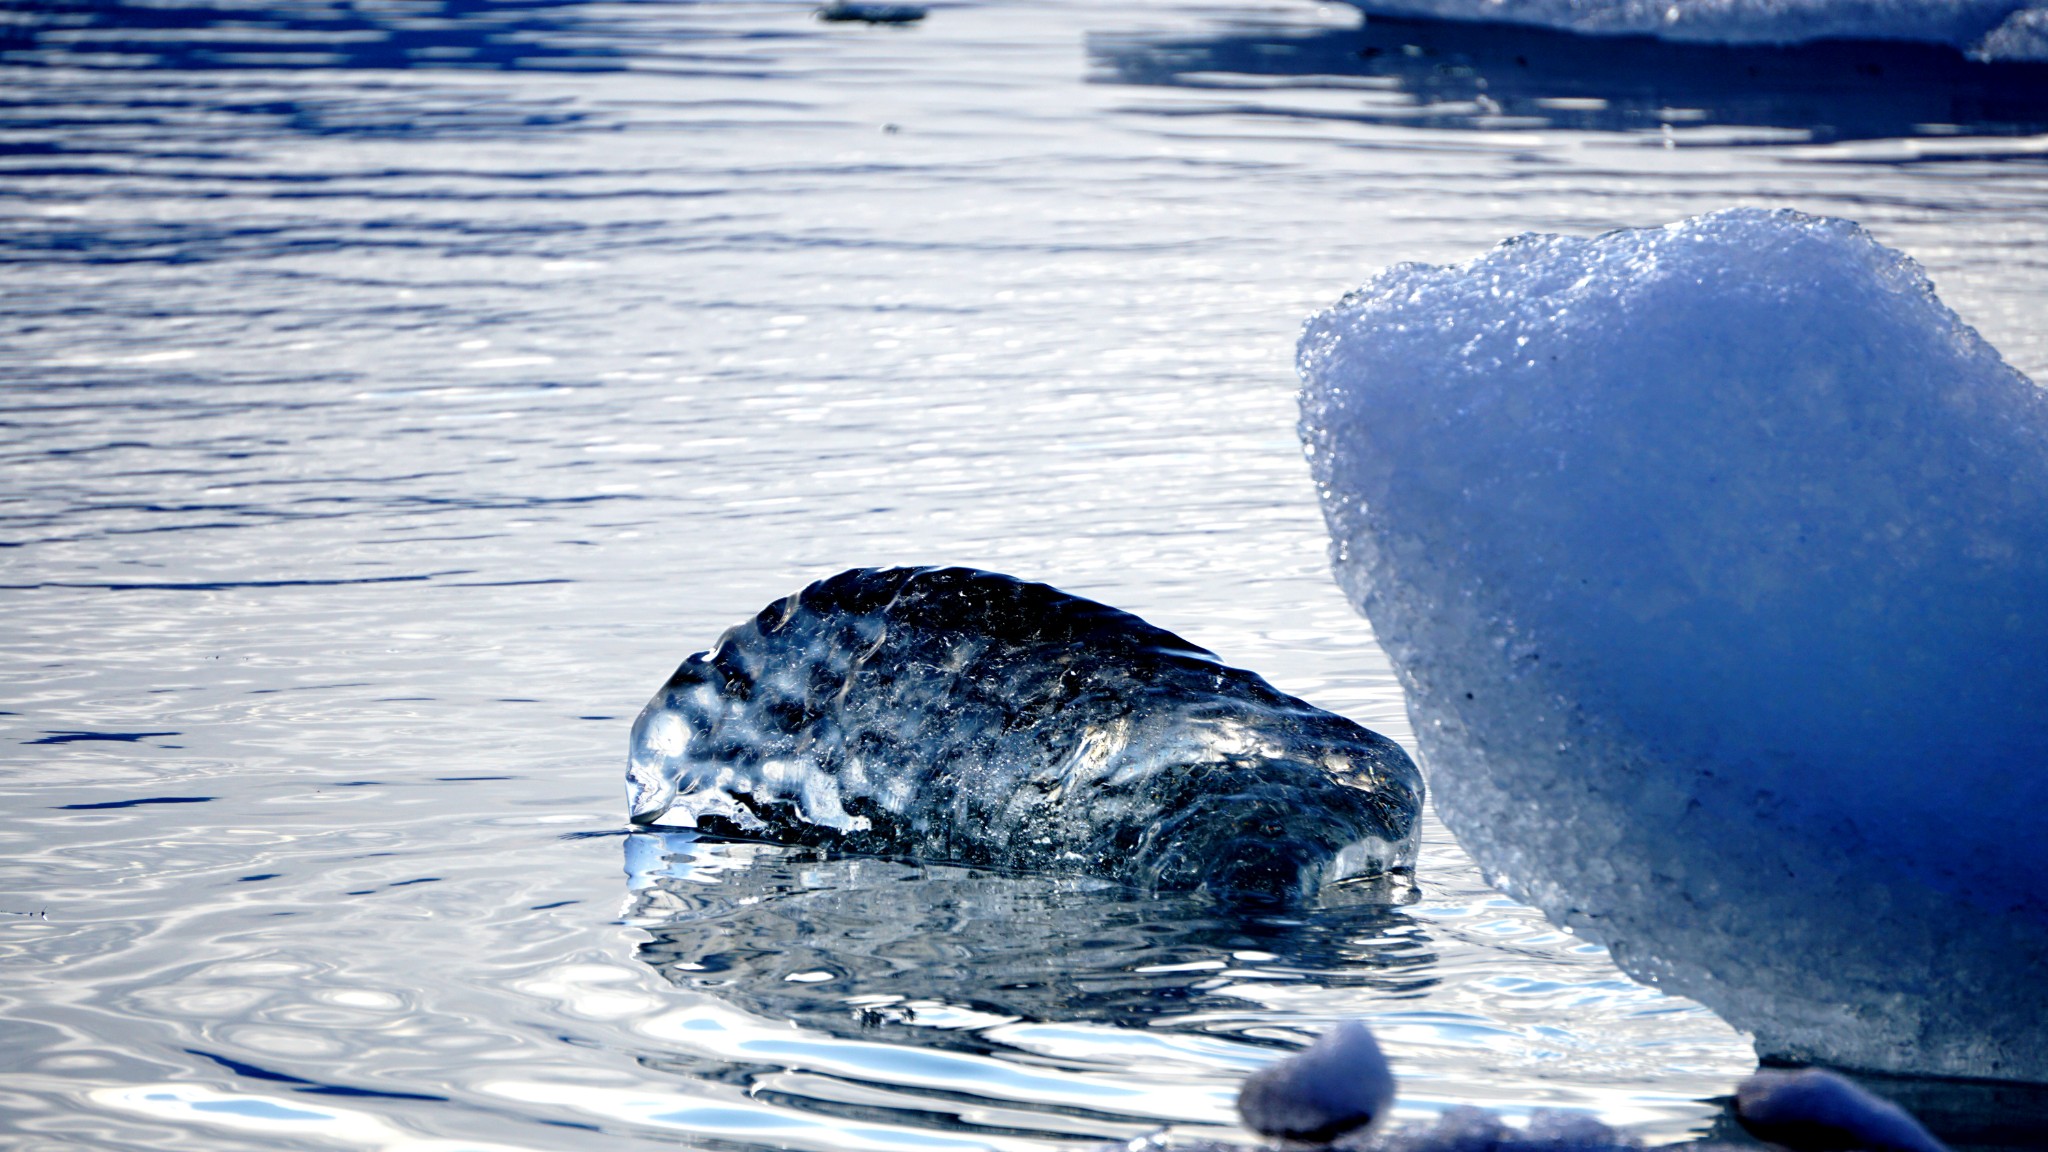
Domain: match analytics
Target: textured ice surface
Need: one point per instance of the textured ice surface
(1966, 24)
(2023, 36)
(1714, 560)
(949, 714)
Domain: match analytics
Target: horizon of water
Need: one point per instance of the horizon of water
(396, 393)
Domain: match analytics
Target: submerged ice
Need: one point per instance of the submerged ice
(953, 715)
(1989, 29)
(1713, 560)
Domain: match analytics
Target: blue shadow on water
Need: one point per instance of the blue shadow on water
(112, 804)
(72, 737)
(1495, 77)
(207, 80)
(312, 1087)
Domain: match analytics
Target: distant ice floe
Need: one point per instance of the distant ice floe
(1714, 561)
(1987, 29)
(947, 714)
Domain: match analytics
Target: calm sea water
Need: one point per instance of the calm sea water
(395, 392)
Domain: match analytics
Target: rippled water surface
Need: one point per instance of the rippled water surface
(395, 392)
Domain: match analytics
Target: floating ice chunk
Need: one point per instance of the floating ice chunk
(1714, 559)
(948, 714)
(1815, 1108)
(1961, 23)
(1335, 1085)
(850, 11)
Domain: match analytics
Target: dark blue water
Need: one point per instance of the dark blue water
(395, 392)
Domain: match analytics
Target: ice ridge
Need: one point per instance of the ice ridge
(1987, 29)
(948, 714)
(1712, 558)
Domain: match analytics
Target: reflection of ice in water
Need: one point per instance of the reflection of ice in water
(1712, 557)
(1011, 948)
(821, 980)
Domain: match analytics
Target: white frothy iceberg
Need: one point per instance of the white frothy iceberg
(1988, 29)
(1714, 559)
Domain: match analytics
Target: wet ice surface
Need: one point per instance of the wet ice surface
(953, 715)
(1751, 714)
(391, 399)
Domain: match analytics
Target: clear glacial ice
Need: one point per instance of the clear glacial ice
(947, 714)
(1987, 29)
(1712, 558)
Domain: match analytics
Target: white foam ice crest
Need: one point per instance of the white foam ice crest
(2022, 36)
(1987, 29)
(1712, 559)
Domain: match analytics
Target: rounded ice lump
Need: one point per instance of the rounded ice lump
(1986, 29)
(1336, 1085)
(953, 715)
(1714, 561)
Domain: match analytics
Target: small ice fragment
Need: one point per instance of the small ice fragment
(1469, 1129)
(1551, 1128)
(1818, 1110)
(1336, 1085)
(1460, 1129)
(852, 11)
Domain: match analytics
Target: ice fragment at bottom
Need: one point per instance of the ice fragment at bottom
(949, 714)
(1714, 561)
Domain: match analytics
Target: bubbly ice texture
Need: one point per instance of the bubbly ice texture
(1972, 25)
(1712, 558)
(948, 714)
(2022, 36)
